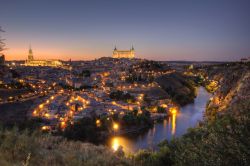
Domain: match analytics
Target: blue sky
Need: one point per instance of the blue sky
(158, 29)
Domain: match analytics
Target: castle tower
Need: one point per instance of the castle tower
(30, 55)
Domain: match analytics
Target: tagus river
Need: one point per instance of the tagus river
(175, 126)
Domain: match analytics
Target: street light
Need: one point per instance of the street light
(98, 123)
(115, 126)
(41, 106)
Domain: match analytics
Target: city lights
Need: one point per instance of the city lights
(115, 144)
(41, 106)
(115, 126)
(35, 113)
(63, 125)
(98, 123)
(173, 110)
(44, 128)
(91, 98)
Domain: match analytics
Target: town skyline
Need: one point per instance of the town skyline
(162, 30)
(124, 82)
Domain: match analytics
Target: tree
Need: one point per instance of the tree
(2, 44)
(85, 130)
(86, 73)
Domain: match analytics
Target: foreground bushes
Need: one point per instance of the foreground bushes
(222, 141)
(35, 149)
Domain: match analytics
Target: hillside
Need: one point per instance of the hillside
(179, 87)
(224, 137)
(22, 148)
(234, 82)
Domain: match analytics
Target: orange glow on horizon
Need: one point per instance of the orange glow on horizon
(22, 54)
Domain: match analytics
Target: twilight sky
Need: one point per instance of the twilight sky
(216, 30)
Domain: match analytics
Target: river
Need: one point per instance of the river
(174, 126)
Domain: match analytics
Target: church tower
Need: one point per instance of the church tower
(132, 52)
(115, 53)
(30, 55)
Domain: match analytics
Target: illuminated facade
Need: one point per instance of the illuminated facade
(32, 62)
(124, 53)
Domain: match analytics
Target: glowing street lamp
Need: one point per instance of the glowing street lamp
(115, 126)
(35, 113)
(44, 128)
(164, 105)
(115, 144)
(47, 115)
(98, 123)
(173, 110)
(63, 125)
(41, 106)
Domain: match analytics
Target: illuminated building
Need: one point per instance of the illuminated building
(32, 62)
(124, 53)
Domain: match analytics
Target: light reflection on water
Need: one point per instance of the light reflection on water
(175, 126)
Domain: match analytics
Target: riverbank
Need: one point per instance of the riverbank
(174, 126)
(223, 137)
(179, 87)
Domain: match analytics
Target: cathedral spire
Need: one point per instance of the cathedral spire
(132, 48)
(30, 55)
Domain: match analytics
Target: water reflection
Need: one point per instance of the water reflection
(122, 141)
(115, 144)
(175, 126)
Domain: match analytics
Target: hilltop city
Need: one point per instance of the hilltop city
(103, 99)
(124, 83)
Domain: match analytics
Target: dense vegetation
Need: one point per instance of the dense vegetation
(224, 141)
(132, 118)
(97, 129)
(86, 130)
(2, 44)
(140, 72)
(85, 73)
(180, 88)
(120, 95)
(24, 148)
